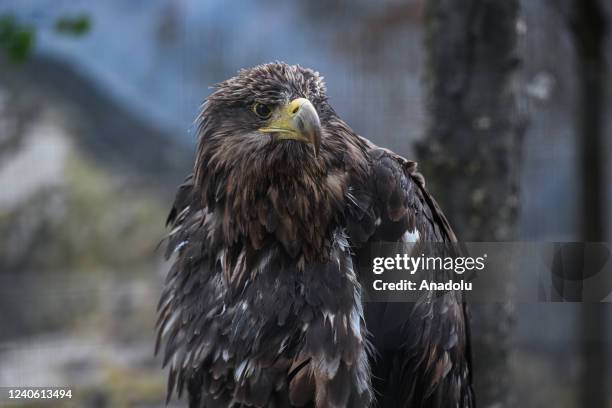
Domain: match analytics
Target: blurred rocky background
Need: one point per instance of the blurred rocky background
(97, 101)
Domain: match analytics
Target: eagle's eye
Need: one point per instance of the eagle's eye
(261, 110)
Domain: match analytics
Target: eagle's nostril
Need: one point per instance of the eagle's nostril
(295, 110)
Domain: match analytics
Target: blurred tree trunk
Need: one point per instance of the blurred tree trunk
(587, 21)
(470, 155)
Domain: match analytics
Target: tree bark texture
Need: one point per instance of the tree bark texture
(470, 155)
(588, 24)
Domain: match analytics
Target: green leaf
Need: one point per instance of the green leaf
(17, 40)
(75, 26)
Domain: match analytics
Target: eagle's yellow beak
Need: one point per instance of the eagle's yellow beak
(298, 120)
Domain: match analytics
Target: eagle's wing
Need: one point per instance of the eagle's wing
(422, 349)
(181, 301)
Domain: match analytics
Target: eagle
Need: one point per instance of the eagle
(262, 305)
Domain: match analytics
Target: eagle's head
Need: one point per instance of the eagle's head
(268, 137)
(269, 108)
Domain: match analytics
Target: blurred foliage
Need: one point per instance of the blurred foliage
(89, 222)
(75, 26)
(133, 387)
(100, 212)
(17, 39)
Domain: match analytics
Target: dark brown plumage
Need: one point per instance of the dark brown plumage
(262, 306)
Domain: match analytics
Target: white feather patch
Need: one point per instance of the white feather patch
(411, 236)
